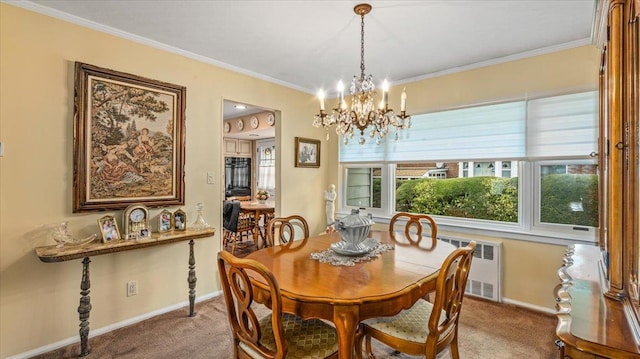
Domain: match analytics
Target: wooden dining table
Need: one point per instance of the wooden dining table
(346, 295)
(258, 210)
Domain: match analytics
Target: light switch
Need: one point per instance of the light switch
(210, 178)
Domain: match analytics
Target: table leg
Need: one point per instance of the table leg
(192, 280)
(84, 308)
(346, 319)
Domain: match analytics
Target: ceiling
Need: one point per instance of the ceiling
(309, 45)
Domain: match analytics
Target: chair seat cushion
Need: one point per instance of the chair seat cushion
(410, 325)
(305, 338)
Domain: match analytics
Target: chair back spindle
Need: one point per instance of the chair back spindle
(286, 229)
(414, 226)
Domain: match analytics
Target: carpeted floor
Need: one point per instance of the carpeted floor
(487, 330)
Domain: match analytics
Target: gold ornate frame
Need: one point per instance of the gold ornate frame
(128, 140)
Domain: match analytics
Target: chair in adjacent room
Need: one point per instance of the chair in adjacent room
(414, 226)
(238, 228)
(276, 335)
(426, 328)
(284, 229)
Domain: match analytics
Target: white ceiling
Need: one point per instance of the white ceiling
(308, 45)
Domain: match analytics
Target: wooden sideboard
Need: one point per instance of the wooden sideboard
(590, 325)
(599, 294)
(52, 254)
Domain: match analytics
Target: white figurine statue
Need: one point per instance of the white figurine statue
(330, 197)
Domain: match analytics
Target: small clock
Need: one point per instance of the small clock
(227, 127)
(270, 119)
(254, 122)
(136, 221)
(240, 125)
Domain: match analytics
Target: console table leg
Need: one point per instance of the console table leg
(192, 280)
(85, 308)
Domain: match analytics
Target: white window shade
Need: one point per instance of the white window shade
(367, 152)
(485, 132)
(562, 126)
(552, 127)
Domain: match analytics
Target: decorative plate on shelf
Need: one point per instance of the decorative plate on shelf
(240, 125)
(270, 119)
(227, 127)
(254, 122)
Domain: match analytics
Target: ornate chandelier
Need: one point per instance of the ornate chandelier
(363, 113)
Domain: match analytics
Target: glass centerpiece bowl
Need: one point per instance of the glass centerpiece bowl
(60, 234)
(353, 230)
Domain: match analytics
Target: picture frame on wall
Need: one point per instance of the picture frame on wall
(109, 229)
(128, 141)
(307, 152)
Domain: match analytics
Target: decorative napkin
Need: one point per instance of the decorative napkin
(333, 258)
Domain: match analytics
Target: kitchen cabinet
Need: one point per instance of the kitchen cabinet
(236, 147)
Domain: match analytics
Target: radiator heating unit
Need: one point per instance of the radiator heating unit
(485, 279)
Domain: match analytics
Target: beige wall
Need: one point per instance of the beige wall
(38, 301)
(36, 176)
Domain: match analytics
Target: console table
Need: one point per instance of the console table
(51, 254)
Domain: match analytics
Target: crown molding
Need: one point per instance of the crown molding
(28, 5)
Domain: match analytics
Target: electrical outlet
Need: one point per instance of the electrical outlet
(132, 288)
(210, 178)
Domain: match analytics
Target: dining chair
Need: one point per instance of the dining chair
(414, 226)
(238, 228)
(276, 335)
(425, 328)
(284, 228)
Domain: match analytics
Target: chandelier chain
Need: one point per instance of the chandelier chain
(362, 47)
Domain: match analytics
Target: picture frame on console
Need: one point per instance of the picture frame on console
(164, 220)
(128, 142)
(307, 152)
(109, 229)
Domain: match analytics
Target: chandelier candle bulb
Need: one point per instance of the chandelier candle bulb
(385, 92)
(403, 100)
(321, 97)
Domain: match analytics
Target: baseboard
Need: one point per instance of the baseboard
(95, 332)
(536, 308)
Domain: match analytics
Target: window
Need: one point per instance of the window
(568, 194)
(521, 167)
(266, 160)
(483, 196)
(364, 187)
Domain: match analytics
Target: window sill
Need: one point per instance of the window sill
(499, 230)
